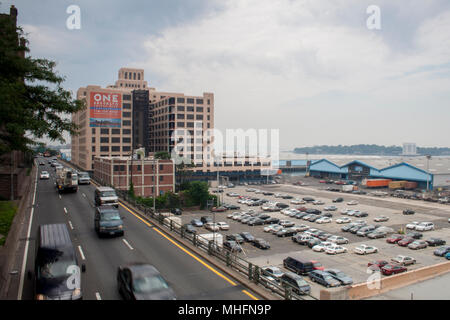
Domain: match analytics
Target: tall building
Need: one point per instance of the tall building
(409, 149)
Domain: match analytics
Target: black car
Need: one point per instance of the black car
(176, 211)
(408, 211)
(267, 193)
(107, 221)
(189, 228)
(286, 196)
(248, 237)
(297, 265)
(232, 246)
(361, 214)
(264, 216)
(414, 235)
(256, 222)
(282, 205)
(313, 211)
(143, 282)
(271, 220)
(235, 237)
(309, 199)
(231, 206)
(300, 215)
(286, 232)
(340, 276)
(433, 242)
(314, 218)
(338, 200)
(261, 243)
(326, 214)
(206, 219)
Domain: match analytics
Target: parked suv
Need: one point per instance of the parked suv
(298, 266)
(297, 283)
(106, 196)
(108, 221)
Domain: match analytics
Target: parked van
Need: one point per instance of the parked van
(56, 273)
(298, 266)
(106, 196)
(297, 283)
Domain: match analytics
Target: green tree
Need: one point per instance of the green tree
(164, 155)
(34, 104)
(131, 190)
(198, 192)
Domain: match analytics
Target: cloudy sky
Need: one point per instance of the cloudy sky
(310, 68)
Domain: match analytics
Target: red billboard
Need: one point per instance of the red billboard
(105, 109)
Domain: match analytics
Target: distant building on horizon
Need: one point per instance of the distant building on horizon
(409, 149)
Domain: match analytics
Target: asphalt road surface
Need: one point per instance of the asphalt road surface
(188, 275)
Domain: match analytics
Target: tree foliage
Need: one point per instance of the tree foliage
(164, 155)
(34, 104)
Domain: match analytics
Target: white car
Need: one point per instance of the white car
(365, 249)
(412, 225)
(270, 227)
(352, 203)
(351, 213)
(322, 246)
(212, 226)
(404, 260)
(381, 219)
(343, 220)
(425, 226)
(223, 226)
(278, 195)
(338, 240)
(336, 250)
(298, 201)
(318, 202)
(276, 228)
(231, 215)
(323, 220)
(330, 208)
(45, 175)
(301, 227)
(345, 211)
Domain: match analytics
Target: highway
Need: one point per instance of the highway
(188, 275)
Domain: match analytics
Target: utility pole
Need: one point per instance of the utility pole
(428, 174)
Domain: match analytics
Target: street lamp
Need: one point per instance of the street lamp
(428, 168)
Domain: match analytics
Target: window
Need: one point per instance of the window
(104, 131)
(93, 149)
(127, 97)
(180, 116)
(209, 102)
(115, 148)
(93, 130)
(190, 109)
(93, 139)
(115, 131)
(116, 168)
(126, 148)
(190, 116)
(127, 105)
(199, 101)
(209, 109)
(190, 100)
(180, 124)
(199, 109)
(104, 148)
(126, 122)
(199, 117)
(190, 124)
(180, 100)
(126, 131)
(115, 140)
(161, 178)
(126, 114)
(126, 140)
(180, 108)
(104, 139)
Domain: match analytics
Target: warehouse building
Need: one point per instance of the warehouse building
(433, 172)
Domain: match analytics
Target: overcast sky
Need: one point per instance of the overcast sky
(310, 68)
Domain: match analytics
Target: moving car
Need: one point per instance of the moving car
(106, 196)
(84, 178)
(54, 257)
(323, 278)
(107, 221)
(44, 175)
(391, 269)
(365, 249)
(340, 276)
(404, 260)
(142, 281)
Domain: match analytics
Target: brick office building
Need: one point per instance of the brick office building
(148, 175)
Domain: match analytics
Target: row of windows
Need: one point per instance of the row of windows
(191, 100)
(113, 131)
(113, 140)
(191, 109)
(128, 75)
(138, 167)
(113, 148)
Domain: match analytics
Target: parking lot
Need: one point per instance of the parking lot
(352, 264)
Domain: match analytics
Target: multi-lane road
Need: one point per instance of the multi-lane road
(189, 275)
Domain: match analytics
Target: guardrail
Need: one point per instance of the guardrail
(253, 272)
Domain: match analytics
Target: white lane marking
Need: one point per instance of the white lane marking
(22, 274)
(81, 253)
(97, 295)
(70, 224)
(65, 210)
(84, 195)
(59, 196)
(127, 244)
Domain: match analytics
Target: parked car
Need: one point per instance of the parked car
(433, 242)
(272, 271)
(343, 220)
(317, 265)
(365, 249)
(232, 246)
(361, 214)
(330, 208)
(261, 243)
(340, 276)
(256, 222)
(418, 244)
(405, 241)
(414, 235)
(338, 200)
(336, 250)
(352, 203)
(286, 223)
(296, 282)
(211, 226)
(223, 226)
(323, 220)
(376, 234)
(286, 232)
(298, 266)
(338, 239)
(404, 260)
(377, 263)
(442, 251)
(298, 201)
(408, 212)
(248, 237)
(381, 219)
(364, 231)
(196, 222)
(425, 226)
(412, 225)
(235, 237)
(314, 241)
(395, 238)
(391, 269)
(272, 220)
(323, 278)
(309, 199)
(206, 219)
(320, 247)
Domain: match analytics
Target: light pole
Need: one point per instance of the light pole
(428, 174)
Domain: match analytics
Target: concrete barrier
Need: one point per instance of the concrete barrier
(361, 291)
